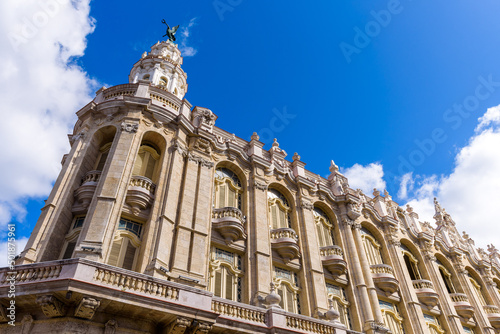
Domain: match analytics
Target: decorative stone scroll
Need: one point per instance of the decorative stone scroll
(201, 327)
(199, 160)
(306, 205)
(51, 306)
(87, 307)
(260, 185)
(129, 127)
(110, 327)
(178, 326)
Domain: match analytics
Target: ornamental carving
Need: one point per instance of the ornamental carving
(27, 324)
(110, 327)
(306, 205)
(180, 148)
(202, 145)
(260, 185)
(204, 118)
(129, 127)
(178, 326)
(51, 306)
(199, 160)
(87, 307)
(3, 314)
(353, 210)
(201, 328)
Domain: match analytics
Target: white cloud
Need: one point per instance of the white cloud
(470, 193)
(41, 89)
(365, 177)
(187, 51)
(4, 252)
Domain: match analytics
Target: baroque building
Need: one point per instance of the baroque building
(161, 222)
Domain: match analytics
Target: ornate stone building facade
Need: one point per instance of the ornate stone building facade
(161, 222)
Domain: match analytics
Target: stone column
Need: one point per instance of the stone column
(483, 325)
(190, 251)
(366, 272)
(105, 208)
(356, 273)
(451, 318)
(259, 245)
(313, 268)
(411, 310)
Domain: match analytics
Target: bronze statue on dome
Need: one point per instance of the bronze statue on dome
(170, 31)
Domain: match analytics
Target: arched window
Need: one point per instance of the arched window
(126, 243)
(72, 237)
(433, 324)
(372, 247)
(228, 189)
(446, 276)
(411, 264)
(478, 289)
(146, 161)
(146, 77)
(287, 286)
(226, 274)
(279, 210)
(102, 157)
(340, 303)
(324, 228)
(392, 318)
(163, 82)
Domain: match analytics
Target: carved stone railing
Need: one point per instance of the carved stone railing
(128, 282)
(333, 259)
(285, 242)
(143, 182)
(238, 310)
(383, 277)
(493, 314)
(91, 177)
(425, 292)
(166, 98)
(85, 193)
(140, 193)
(309, 325)
(34, 273)
(462, 305)
(120, 90)
(230, 223)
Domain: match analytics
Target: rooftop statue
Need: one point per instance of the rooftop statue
(170, 31)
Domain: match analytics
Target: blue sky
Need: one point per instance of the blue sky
(415, 64)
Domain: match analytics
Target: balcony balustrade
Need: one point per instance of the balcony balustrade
(425, 292)
(493, 314)
(85, 193)
(333, 259)
(230, 223)
(285, 242)
(383, 277)
(140, 193)
(462, 305)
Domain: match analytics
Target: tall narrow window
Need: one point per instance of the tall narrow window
(125, 246)
(145, 163)
(324, 228)
(392, 318)
(72, 237)
(411, 263)
(446, 276)
(288, 289)
(226, 274)
(102, 157)
(163, 82)
(279, 210)
(228, 189)
(479, 291)
(372, 247)
(340, 303)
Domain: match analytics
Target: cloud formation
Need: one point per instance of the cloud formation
(470, 192)
(365, 177)
(41, 88)
(187, 51)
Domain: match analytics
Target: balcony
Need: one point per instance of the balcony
(140, 194)
(230, 223)
(425, 292)
(85, 193)
(462, 305)
(493, 314)
(333, 259)
(383, 277)
(285, 242)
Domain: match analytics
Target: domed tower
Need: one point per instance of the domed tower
(129, 151)
(162, 68)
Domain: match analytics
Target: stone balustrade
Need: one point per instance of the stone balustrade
(281, 233)
(120, 90)
(143, 182)
(230, 223)
(459, 297)
(333, 259)
(238, 310)
(331, 251)
(493, 314)
(140, 194)
(462, 305)
(285, 242)
(422, 284)
(425, 292)
(228, 212)
(383, 277)
(35, 273)
(91, 177)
